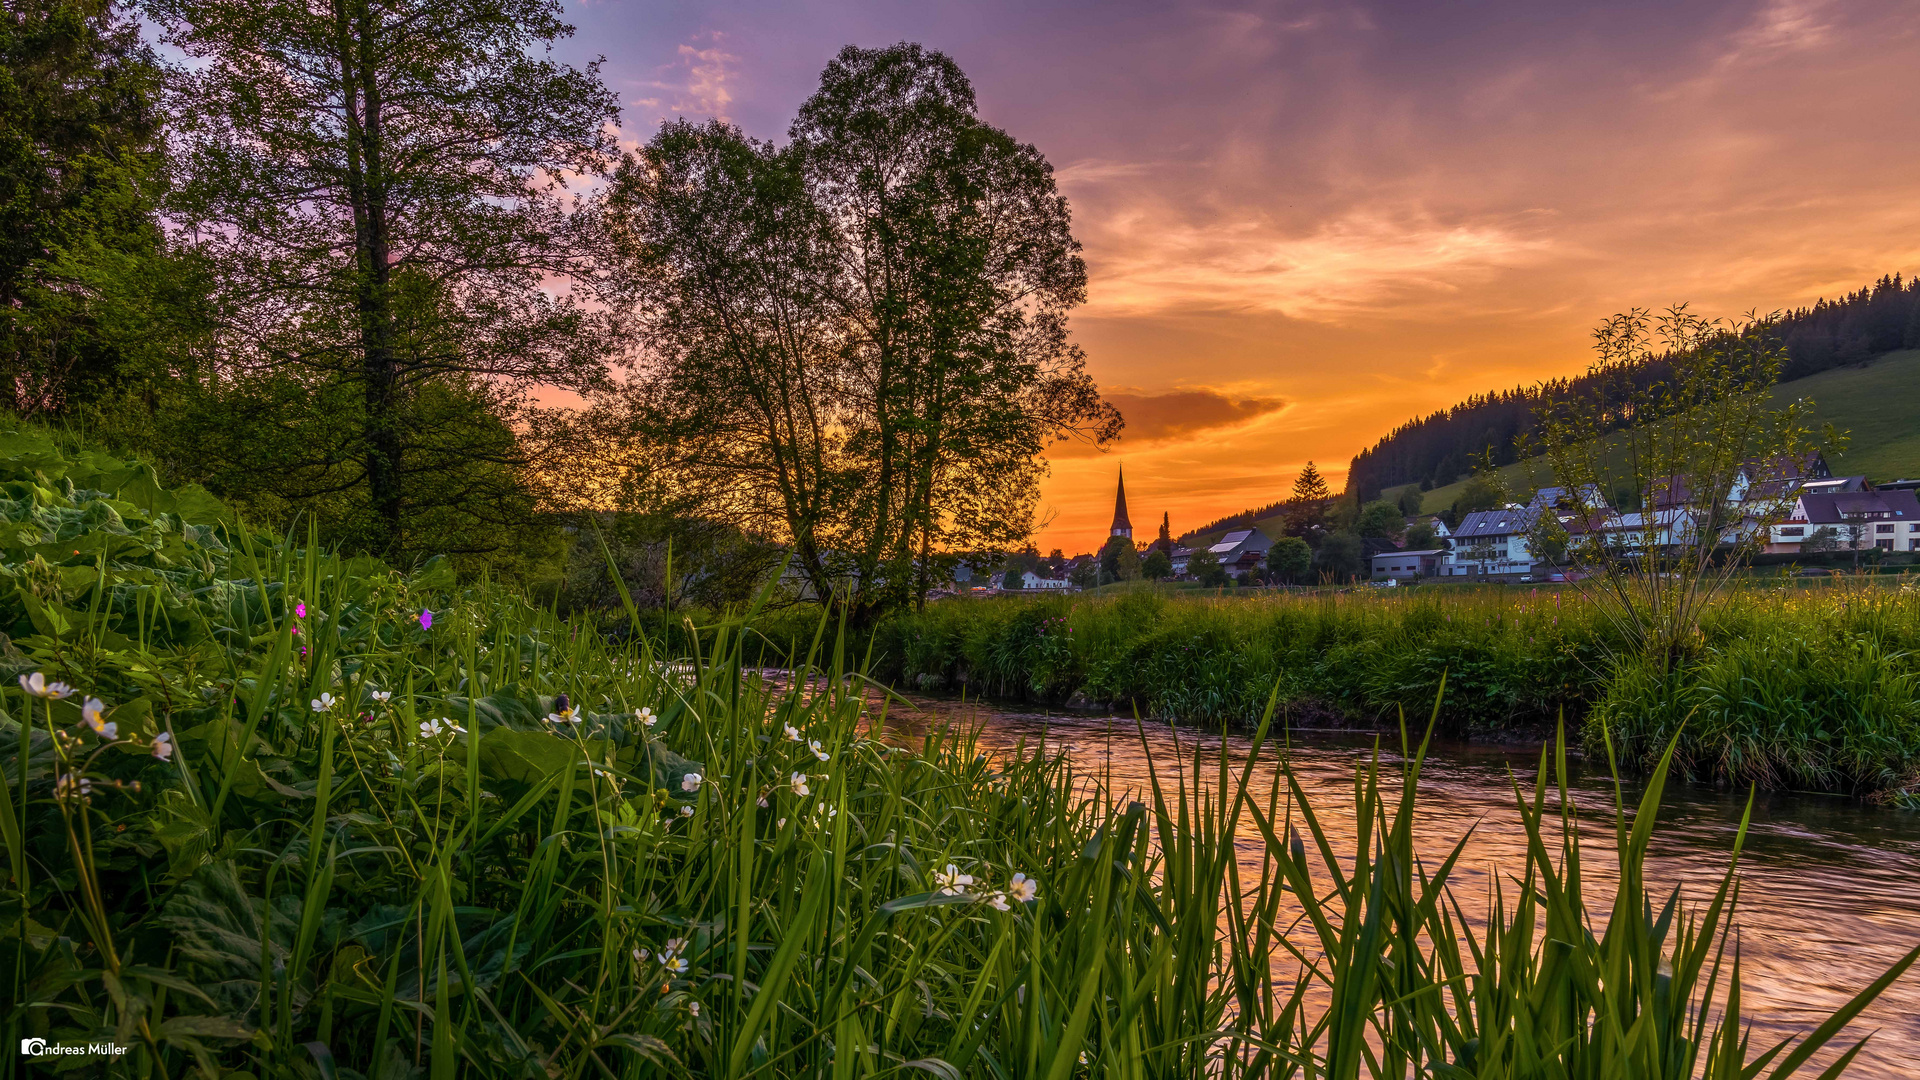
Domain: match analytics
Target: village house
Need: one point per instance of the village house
(1242, 551)
(1031, 580)
(1492, 543)
(1849, 521)
(1408, 565)
(1632, 532)
(1179, 556)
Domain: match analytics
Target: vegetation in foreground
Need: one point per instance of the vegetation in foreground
(271, 813)
(1785, 685)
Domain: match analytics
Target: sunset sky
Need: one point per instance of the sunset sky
(1306, 223)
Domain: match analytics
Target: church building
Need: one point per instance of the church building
(1121, 526)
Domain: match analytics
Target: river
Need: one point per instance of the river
(1829, 888)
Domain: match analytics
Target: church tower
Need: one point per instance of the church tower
(1121, 526)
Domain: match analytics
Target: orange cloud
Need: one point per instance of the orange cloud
(1155, 418)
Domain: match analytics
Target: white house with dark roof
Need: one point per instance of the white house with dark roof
(1492, 543)
(1853, 520)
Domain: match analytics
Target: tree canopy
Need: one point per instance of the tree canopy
(378, 189)
(857, 340)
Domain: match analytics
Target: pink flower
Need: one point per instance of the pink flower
(426, 619)
(300, 610)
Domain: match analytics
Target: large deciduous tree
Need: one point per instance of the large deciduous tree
(860, 337)
(382, 187)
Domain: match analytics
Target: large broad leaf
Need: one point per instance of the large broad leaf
(504, 708)
(436, 574)
(525, 756)
(217, 933)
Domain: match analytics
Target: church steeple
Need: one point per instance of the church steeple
(1121, 526)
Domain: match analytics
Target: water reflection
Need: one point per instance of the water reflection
(1828, 893)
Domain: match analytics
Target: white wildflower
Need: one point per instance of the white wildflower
(817, 752)
(322, 703)
(37, 685)
(951, 882)
(693, 1007)
(163, 746)
(93, 712)
(690, 782)
(793, 733)
(1023, 888)
(686, 811)
(383, 696)
(645, 716)
(675, 965)
(799, 785)
(998, 900)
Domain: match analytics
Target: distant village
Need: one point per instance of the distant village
(1804, 510)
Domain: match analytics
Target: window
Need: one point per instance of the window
(1793, 530)
(1883, 545)
(1883, 529)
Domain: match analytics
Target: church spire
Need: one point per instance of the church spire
(1121, 526)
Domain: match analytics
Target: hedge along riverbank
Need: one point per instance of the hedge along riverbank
(1791, 685)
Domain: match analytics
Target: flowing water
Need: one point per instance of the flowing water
(1829, 888)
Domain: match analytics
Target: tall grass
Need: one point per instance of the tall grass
(1792, 685)
(409, 830)
(339, 892)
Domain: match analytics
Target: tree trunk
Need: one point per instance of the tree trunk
(379, 373)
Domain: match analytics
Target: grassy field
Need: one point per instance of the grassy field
(271, 813)
(1874, 402)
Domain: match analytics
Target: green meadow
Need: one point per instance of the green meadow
(269, 812)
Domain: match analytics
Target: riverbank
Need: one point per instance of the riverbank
(272, 812)
(1803, 685)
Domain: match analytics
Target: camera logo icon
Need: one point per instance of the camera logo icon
(33, 1047)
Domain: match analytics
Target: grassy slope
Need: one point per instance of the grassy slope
(1875, 402)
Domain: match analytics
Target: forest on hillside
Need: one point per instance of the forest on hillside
(1437, 449)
